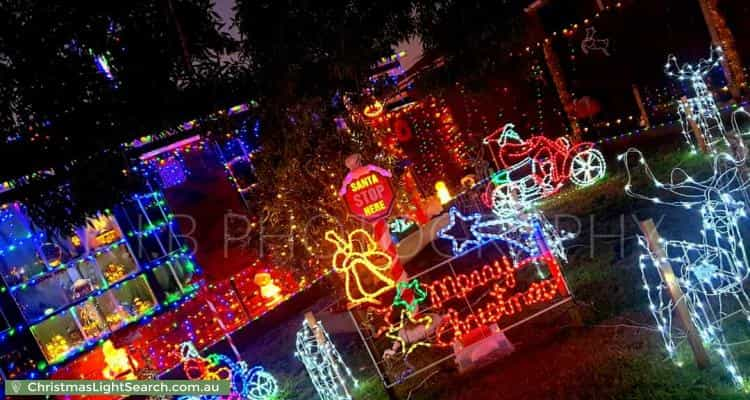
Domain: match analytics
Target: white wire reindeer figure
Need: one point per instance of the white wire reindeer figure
(701, 107)
(590, 42)
(711, 273)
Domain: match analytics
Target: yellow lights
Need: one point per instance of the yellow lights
(373, 110)
(364, 265)
(268, 289)
(399, 334)
(442, 192)
(119, 365)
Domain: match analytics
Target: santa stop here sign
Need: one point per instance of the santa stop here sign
(368, 193)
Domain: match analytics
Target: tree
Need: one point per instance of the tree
(82, 78)
(305, 59)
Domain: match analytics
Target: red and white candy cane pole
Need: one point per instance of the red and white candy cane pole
(382, 234)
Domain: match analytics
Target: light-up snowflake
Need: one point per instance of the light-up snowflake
(701, 107)
(711, 272)
(330, 376)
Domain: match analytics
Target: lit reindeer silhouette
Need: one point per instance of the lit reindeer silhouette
(701, 108)
(590, 42)
(711, 272)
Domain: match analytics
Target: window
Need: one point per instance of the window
(116, 264)
(135, 297)
(58, 336)
(47, 295)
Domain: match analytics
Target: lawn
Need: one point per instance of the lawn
(615, 354)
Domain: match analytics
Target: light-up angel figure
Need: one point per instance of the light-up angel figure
(711, 272)
(701, 107)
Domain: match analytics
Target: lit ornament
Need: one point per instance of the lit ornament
(540, 166)
(712, 272)
(330, 376)
(701, 108)
(442, 192)
(246, 383)
(365, 267)
(119, 363)
(409, 295)
(399, 332)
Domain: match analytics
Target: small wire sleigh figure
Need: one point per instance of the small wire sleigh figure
(710, 272)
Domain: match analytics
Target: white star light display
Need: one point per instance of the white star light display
(711, 272)
(701, 107)
(513, 221)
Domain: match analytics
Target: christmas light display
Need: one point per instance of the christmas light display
(459, 231)
(409, 295)
(517, 218)
(187, 126)
(329, 374)
(373, 110)
(448, 288)
(442, 192)
(268, 289)
(425, 133)
(701, 108)
(513, 222)
(454, 325)
(361, 261)
(398, 332)
(711, 273)
(102, 64)
(591, 43)
(741, 129)
(528, 244)
(540, 166)
(247, 383)
(119, 363)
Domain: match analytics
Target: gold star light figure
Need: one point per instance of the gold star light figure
(397, 332)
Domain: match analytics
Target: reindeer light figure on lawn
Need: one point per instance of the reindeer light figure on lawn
(711, 273)
(700, 109)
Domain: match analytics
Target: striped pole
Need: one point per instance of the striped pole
(382, 234)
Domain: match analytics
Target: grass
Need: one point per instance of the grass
(616, 354)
